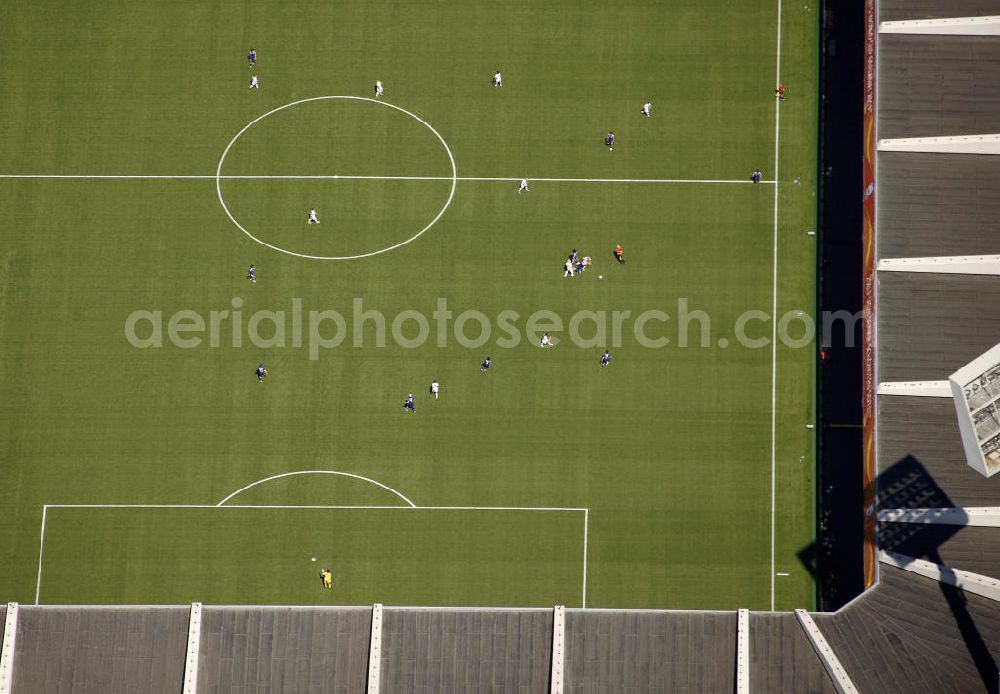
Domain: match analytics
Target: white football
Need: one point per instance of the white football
(600, 277)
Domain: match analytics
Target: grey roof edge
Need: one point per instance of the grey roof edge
(431, 608)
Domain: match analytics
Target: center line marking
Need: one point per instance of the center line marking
(378, 178)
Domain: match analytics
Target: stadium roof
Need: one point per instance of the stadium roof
(899, 637)
(937, 221)
(937, 291)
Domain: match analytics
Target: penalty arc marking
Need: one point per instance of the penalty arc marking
(319, 472)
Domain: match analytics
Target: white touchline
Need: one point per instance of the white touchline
(41, 550)
(774, 304)
(349, 177)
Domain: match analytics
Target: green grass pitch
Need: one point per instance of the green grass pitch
(657, 471)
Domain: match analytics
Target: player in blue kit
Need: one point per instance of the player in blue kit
(261, 373)
(610, 140)
(605, 358)
(486, 364)
(409, 405)
(756, 176)
(252, 58)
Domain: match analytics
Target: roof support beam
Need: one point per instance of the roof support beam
(375, 651)
(988, 25)
(558, 649)
(922, 389)
(966, 580)
(947, 264)
(7, 652)
(743, 652)
(969, 516)
(193, 650)
(952, 144)
(841, 680)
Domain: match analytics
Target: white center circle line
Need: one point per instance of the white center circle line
(219, 177)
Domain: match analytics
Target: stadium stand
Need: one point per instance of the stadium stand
(918, 196)
(896, 10)
(284, 649)
(910, 634)
(100, 649)
(918, 439)
(937, 85)
(913, 633)
(461, 650)
(972, 549)
(650, 651)
(781, 657)
(930, 325)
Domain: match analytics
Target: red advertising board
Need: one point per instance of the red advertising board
(868, 296)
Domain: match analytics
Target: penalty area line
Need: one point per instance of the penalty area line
(41, 551)
(216, 507)
(164, 177)
(586, 530)
(321, 506)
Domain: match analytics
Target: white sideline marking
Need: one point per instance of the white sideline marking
(41, 550)
(774, 305)
(380, 178)
(317, 472)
